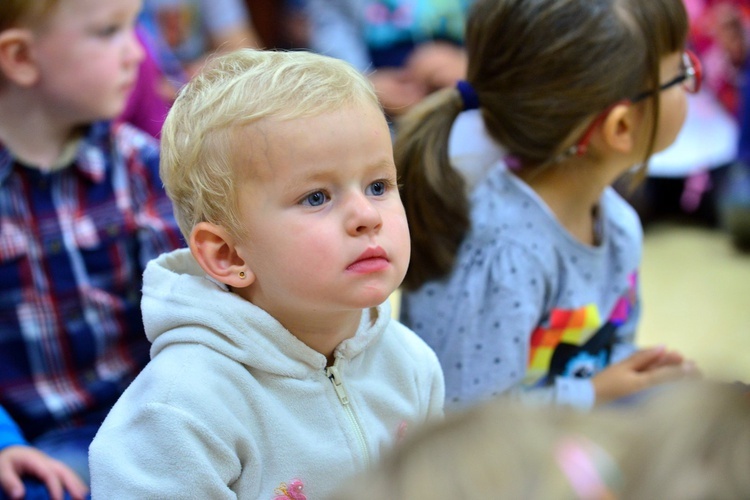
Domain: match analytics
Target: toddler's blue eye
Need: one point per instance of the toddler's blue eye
(315, 199)
(377, 188)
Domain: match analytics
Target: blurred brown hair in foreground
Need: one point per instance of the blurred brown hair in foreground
(691, 442)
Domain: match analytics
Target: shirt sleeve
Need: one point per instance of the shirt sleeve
(136, 457)
(566, 391)
(624, 345)
(526, 291)
(158, 231)
(479, 321)
(10, 433)
(625, 225)
(436, 405)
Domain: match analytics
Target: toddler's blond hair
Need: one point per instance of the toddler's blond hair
(201, 136)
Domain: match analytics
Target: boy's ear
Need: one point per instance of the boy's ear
(619, 128)
(16, 60)
(214, 250)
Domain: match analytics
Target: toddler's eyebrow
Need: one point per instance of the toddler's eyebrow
(325, 173)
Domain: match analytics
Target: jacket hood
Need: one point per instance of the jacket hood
(181, 304)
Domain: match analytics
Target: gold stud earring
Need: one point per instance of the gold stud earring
(242, 274)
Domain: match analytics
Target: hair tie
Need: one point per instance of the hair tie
(513, 162)
(468, 95)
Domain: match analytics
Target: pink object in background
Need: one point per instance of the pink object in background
(147, 107)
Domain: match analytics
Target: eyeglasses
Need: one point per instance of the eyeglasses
(691, 80)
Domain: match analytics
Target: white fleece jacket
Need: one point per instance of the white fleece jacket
(232, 405)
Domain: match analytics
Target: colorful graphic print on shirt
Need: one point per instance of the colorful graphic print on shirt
(577, 343)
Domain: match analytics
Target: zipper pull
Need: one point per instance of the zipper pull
(333, 375)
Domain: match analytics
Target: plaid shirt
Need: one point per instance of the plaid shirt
(73, 246)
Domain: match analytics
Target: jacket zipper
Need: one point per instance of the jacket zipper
(332, 372)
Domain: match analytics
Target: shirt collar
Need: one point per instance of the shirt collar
(90, 157)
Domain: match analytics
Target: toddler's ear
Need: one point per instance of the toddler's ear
(16, 61)
(214, 250)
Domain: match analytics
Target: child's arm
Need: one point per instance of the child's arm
(529, 298)
(624, 344)
(158, 231)
(632, 370)
(17, 459)
(436, 403)
(159, 451)
(499, 352)
(10, 433)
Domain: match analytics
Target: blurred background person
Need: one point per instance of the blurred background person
(408, 48)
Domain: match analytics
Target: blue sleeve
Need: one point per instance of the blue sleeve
(567, 391)
(337, 30)
(10, 433)
(221, 15)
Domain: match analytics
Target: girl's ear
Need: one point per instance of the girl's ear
(16, 61)
(215, 251)
(618, 132)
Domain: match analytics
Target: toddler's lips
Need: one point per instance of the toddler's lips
(372, 260)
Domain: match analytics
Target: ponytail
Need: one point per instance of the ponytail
(433, 193)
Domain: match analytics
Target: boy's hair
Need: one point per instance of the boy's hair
(542, 69)
(199, 140)
(691, 443)
(16, 13)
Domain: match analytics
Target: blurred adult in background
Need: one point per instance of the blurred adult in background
(409, 48)
(194, 29)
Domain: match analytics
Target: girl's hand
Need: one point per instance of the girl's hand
(642, 370)
(19, 461)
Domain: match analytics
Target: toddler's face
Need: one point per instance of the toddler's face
(88, 58)
(326, 229)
